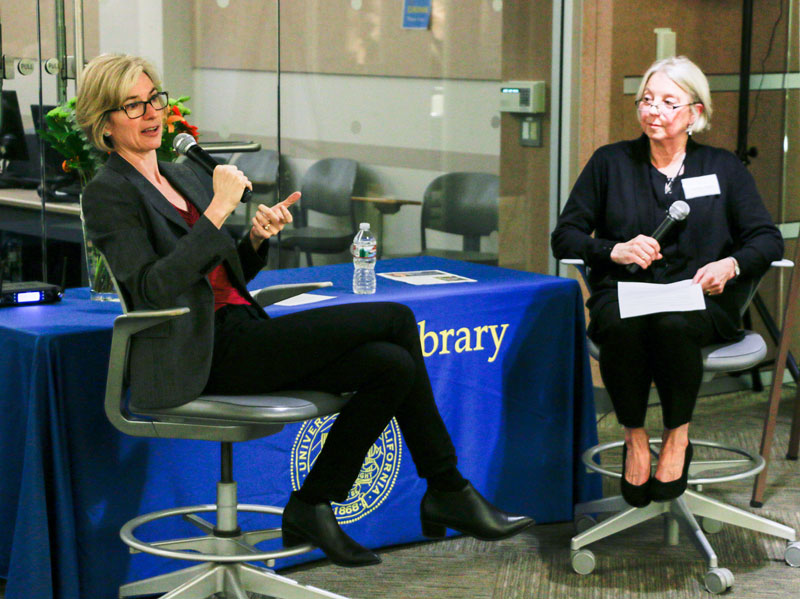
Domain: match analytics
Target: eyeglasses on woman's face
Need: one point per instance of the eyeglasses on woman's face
(135, 110)
(665, 108)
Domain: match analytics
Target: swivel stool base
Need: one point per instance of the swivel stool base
(223, 555)
(713, 513)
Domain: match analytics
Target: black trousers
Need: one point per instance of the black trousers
(370, 348)
(662, 348)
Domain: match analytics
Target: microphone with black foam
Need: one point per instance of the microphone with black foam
(677, 212)
(186, 145)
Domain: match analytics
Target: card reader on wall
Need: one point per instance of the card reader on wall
(27, 293)
(522, 96)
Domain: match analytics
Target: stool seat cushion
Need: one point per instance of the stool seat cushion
(271, 408)
(723, 357)
(730, 357)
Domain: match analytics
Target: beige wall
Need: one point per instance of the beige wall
(20, 39)
(19, 27)
(525, 171)
(325, 36)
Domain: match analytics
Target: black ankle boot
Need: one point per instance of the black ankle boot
(660, 491)
(469, 513)
(634, 495)
(315, 523)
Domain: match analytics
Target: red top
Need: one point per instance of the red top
(224, 293)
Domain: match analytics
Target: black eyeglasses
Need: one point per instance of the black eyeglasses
(134, 110)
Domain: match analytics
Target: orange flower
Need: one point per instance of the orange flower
(65, 167)
(191, 129)
(172, 119)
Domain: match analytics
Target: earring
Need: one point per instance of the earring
(689, 129)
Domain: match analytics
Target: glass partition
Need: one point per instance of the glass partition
(406, 90)
(33, 83)
(407, 105)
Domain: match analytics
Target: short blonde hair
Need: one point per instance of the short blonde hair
(105, 84)
(690, 79)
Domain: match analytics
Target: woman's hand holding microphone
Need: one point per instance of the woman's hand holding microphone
(641, 250)
(229, 184)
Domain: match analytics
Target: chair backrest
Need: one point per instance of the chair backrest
(462, 203)
(213, 418)
(260, 167)
(124, 299)
(327, 187)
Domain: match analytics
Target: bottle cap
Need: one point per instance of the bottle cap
(363, 226)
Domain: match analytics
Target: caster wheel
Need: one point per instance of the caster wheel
(792, 554)
(718, 580)
(583, 561)
(711, 526)
(584, 523)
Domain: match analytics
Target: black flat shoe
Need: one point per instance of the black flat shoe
(315, 523)
(469, 513)
(634, 495)
(660, 491)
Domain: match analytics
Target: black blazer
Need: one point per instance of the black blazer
(614, 199)
(160, 262)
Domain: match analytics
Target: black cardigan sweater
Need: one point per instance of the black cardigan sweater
(614, 198)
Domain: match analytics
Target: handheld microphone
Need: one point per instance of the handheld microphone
(677, 212)
(185, 145)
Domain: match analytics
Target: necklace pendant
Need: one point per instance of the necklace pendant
(668, 187)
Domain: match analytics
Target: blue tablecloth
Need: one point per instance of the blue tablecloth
(507, 361)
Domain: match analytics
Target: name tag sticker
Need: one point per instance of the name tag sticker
(696, 187)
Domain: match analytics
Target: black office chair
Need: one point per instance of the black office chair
(327, 188)
(464, 204)
(717, 358)
(261, 168)
(222, 550)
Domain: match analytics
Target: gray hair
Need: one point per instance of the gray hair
(688, 76)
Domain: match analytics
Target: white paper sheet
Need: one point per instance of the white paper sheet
(638, 299)
(425, 277)
(303, 298)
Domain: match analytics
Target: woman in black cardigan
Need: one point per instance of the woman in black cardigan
(725, 244)
(161, 231)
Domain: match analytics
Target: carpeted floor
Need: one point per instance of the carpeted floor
(634, 564)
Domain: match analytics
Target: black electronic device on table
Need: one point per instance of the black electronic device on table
(27, 292)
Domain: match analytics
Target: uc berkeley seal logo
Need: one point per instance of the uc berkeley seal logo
(374, 482)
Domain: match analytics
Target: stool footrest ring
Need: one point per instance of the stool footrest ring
(756, 461)
(238, 548)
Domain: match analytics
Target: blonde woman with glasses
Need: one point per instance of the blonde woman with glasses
(161, 230)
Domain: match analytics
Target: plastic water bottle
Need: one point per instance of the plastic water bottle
(365, 253)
